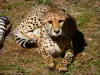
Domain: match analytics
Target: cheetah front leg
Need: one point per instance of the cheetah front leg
(48, 59)
(62, 67)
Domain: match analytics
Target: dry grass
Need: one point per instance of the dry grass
(15, 60)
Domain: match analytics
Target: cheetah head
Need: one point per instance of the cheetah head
(53, 22)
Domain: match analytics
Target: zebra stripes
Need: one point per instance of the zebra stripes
(25, 43)
(21, 40)
(3, 24)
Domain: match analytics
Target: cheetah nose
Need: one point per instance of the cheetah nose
(57, 31)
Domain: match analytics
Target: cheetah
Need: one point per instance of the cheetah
(46, 27)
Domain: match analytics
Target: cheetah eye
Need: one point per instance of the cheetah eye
(60, 21)
(50, 22)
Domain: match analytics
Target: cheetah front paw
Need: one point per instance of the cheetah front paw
(50, 66)
(61, 69)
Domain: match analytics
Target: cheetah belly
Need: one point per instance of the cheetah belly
(36, 32)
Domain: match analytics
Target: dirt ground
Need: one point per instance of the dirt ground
(15, 60)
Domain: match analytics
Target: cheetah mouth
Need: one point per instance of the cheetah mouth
(56, 35)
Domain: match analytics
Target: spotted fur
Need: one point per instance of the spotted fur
(46, 26)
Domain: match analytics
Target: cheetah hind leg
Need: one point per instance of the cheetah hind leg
(62, 67)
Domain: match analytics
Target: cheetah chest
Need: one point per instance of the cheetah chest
(56, 47)
(53, 46)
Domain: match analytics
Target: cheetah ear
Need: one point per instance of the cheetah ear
(62, 10)
(68, 15)
(65, 12)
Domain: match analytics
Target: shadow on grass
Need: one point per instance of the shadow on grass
(78, 40)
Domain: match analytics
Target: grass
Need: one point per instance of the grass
(24, 71)
(94, 63)
(83, 20)
(6, 67)
(43, 1)
(15, 60)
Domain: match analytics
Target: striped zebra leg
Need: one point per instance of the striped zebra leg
(3, 24)
(22, 41)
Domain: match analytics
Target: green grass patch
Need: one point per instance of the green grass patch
(24, 71)
(83, 20)
(43, 1)
(26, 61)
(94, 62)
(7, 67)
(7, 7)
